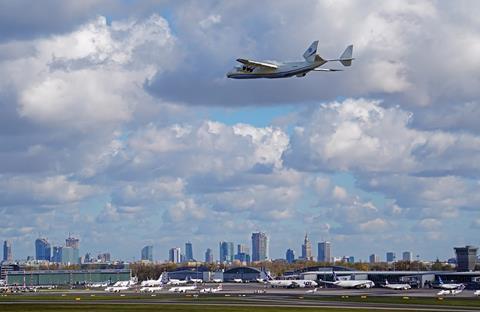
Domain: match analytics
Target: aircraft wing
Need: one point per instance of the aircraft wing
(257, 64)
(327, 69)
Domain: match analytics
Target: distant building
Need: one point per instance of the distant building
(72, 242)
(7, 251)
(103, 257)
(290, 255)
(243, 253)
(208, 256)
(68, 255)
(324, 252)
(189, 251)
(259, 246)
(43, 250)
(174, 255)
(407, 256)
(374, 258)
(390, 256)
(56, 254)
(147, 253)
(226, 251)
(306, 249)
(466, 258)
(351, 259)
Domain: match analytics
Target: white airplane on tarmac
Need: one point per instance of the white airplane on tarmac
(151, 289)
(453, 292)
(476, 293)
(153, 283)
(237, 280)
(449, 286)
(312, 291)
(211, 290)
(294, 283)
(195, 280)
(402, 286)
(350, 283)
(121, 285)
(217, 280)
(176, 282)
(182, 289)
(251, 69)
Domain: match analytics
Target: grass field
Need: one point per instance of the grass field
(449, 301)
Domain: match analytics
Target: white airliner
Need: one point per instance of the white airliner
(237, 280)
(173, 281)
(397, 286)
(453, 292)
(267, 69)
(182, 289)
(153, 283)
(449, 286)
(217, 280)
(151, 289)
(121, 285)
(293, 283)
(350, 283)
(211, 290)
(98, 285)
(195, 280)
(476, 293)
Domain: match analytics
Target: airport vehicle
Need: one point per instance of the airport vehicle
(401, 286)
(449, 286)
(476, 293)
(182, 289)
(350, 283)
(251, 69)
(151, 289)
(211, 290)
(153, 283)
(453, 292)
(237, 280)
(312, 291)
(217, 280)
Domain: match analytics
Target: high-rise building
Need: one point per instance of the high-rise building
(72, 242)
(391, 256)
(243, 253)
(174, 255)
(324, 252)
(259, 246)
(104, 257)
(306, 249)
(290, 255)
(68, 255)
(189, 251)
(466, 258)
(57, 254)
(147, 253)
(43, 250)
(374, 258)
(7, 251)
(208, 256)
(407, 256)
(226, 251)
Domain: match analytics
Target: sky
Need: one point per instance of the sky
(118, 125)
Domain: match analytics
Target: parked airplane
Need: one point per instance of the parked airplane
(217, 280)
(476, 293)
(121, 285)
(453, 292)
(153, 283)
(195, 280)
(174, 282)
(182, 289)
(449, 286)
(402, 286)
(211, 290)
(237, 280)
(266, 69)
(117, 289)
(350, 283)
(294, 283)
(98, 285)
(151, 289)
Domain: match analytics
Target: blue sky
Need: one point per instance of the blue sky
(120, 126)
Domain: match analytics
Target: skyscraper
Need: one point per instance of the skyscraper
(226, 251)
(72, 242)
(57, 254)
(324, 252)
(407, 256)
(208, 256)
(174, 255)
(307, 249)
(290, 256)
(390, 256)
(73, 255)
(189, 251)
(147, 253)
(43, 250)
(259, 246)
(374, 258)
(7, 251)
(466, 258)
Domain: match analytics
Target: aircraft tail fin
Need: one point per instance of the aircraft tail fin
(346, 57)
(311, 52)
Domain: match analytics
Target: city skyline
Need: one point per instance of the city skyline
(119, 125)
